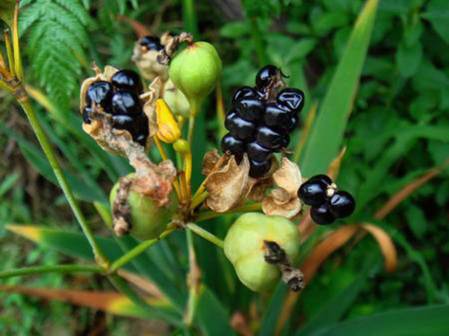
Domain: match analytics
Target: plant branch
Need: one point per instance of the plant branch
(193, 281)
(136, 251)
(205, 234)
(69, 268)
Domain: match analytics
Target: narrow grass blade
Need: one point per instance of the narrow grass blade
(429, 321)
(327, 134)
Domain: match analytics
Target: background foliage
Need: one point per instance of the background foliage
(398, 129)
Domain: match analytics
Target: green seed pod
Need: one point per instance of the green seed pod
(196, 70)
(176, 100)
(147, 219)
(245, 248)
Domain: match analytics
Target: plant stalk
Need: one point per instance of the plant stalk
(69, 268)
(205, 234)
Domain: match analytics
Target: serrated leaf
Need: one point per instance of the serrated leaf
(327, 134)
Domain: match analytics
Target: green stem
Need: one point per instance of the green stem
(136, 251)
(193, 281)
(194, 107)
(189, 14)
(51, 157)
(205, 215)
(71, 268)
(256, 35)
(205, 234)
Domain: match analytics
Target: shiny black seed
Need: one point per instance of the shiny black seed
(257, 152)
(322, 214)
(243, 92)
(278, 117)
(141, 122)
(342, 204)
(291, 98)
(321, 177)
(266, 76)
(151, 43)
(140, 139)
(86, 115)
(100, 93)
(313, 192)
(285, 141)
(294, 123)
(250, 109)
(241, 128)
(269, 138)
(259, 168)
(228, 120)
(124, 122)
(233, 145)
(126, 102)
(127, 80)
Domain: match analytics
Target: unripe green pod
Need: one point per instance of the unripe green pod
(196, 70)
(176, 100)
(245, 248)
(148, 220)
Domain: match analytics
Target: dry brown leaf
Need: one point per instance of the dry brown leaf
(210, 160)
(386, 246)
(228, 184)
(283, 200)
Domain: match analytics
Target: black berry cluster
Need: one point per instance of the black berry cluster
(120, 97)
(260, 124)
(327, 203)
(151, 42)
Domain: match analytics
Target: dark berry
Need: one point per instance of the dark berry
(127, 80)
(269, 138)
(100, 93)
(243, 92)
(241, 128)
(277, 117)
(342, 204)
(125, 122)
(125, 102)
(291, 98)
(250, 109)
(141, 122)
(259, 168)
(151, 43)
(266, 76)
(257, 152)
(228, 120)
(322, 214)
(313, 192)
(86, 115)
(232, 145)
(141, 139)
(323, 178)
(294, 123)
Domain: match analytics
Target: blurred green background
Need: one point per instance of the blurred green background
(398, 129)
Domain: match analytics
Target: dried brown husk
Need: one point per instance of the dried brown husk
(283, 200)
(229, 183)
(147, 62)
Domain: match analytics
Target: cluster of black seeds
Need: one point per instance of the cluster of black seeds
(327, 203)
(260, 124)
(151, 43)
(120, 97)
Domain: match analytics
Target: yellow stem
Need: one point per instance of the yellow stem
(9, 52)
(198, 199)
(15, 38)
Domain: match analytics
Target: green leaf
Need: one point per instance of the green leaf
(211, 315)
(438, 15)
(429, 321)
(408, 58)
(7, 11)
(327, 133)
